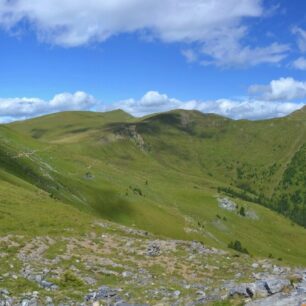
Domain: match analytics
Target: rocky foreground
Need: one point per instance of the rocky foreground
(115, 265)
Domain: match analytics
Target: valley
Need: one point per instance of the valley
(85, 196)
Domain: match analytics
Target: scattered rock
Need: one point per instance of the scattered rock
(49, 301)
(48, 285)
(245, 290)
(126, 274)
(281, 299)
(7, 302)
(201, 296)
(177, 293)
(255, 265)
(276, 285)
(153, 249)
(178, 277)
(4, 292)
(25, 302)
(102, 293)
(227, 204)
(301, 288)
(261, 288)
(89, 280)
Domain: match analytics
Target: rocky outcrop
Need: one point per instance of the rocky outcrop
(260, 288)
(281, 299)
(115, 265)
(227, 204)
(109, 296)
(153, 249)
(273, 292)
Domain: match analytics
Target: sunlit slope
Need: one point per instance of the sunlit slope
(29, 211)
(250, 157)
(66, 126)
(162, 172)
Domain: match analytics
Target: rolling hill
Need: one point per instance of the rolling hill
(164, 173)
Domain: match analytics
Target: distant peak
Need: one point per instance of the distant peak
(300, 113)
(121, 111)
(197, 113)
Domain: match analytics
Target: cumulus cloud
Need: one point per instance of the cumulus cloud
(287, 89)
(77, 22)
(153, 102)
(216, 27)
(21, 108)
(77, 101)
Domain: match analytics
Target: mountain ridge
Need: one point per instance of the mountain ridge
(163, 173)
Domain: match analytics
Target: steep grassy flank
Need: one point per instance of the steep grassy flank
(290, 196)
(29, 211)
(249, 155)
(66, 125)
(161, 173)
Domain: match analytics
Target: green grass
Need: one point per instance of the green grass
(160, 173)
(24, 211)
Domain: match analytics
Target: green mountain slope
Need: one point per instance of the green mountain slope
(163, 173)
(246, 158)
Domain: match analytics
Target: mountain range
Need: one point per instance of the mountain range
(164, 173)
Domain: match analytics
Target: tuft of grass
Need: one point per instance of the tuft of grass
(69, 280)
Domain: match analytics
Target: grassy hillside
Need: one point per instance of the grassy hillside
(250, 158)
(68, 124)
(163, 173)
(28, 210)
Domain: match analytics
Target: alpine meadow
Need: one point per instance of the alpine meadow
(152, 200)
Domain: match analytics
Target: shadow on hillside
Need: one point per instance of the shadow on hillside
(154, 125)
(110, 205)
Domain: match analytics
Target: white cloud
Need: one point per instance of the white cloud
(217, 26)
(301, 38)
(75, 22)
(247, 108)
(20, 108)
(67, 101)
(299, 63)
(287, 89)
(152, 102)
(230, 52)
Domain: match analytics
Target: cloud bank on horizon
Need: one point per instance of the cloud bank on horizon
(275, 100)
(22, 108)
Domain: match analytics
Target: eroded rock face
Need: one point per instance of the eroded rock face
(271, 292)
(281, 299)
(260, 288)
(301, 288)
(276, 285)
(248, 290)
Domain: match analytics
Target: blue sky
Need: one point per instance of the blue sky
(238, 58)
